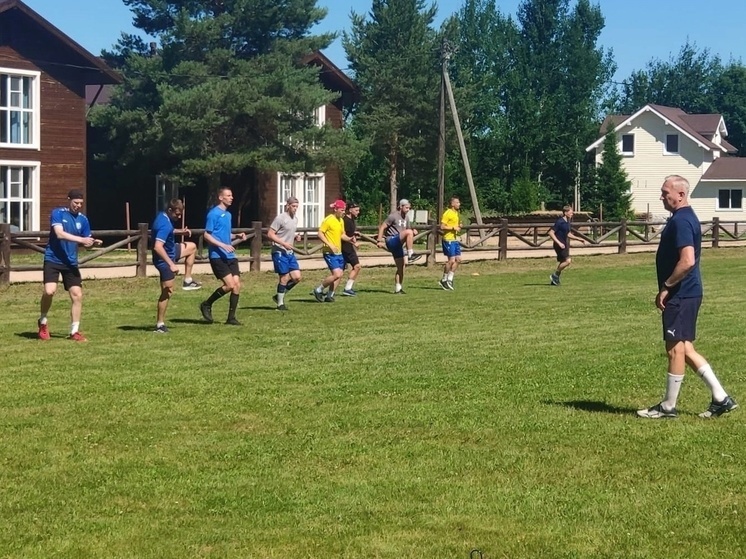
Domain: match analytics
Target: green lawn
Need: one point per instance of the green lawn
(498, 417)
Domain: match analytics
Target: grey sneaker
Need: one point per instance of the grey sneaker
(319, 295)
(717, 409)
(191, 285)
(450, 285)
(413, 258)
(658, 412)
(554, 279)
(282, 308)
(443, 284)
(329, 298)
(161, 329)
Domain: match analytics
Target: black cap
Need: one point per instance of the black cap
(75, 194)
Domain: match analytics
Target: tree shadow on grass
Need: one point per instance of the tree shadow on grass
(188, 321)
(592, 406)
(130, 328)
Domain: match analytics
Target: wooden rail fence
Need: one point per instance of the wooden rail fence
(495, 237)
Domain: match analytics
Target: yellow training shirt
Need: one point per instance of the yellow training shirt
(450, 219)
(333, 227)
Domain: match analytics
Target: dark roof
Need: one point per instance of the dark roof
(333, 78)
(612, 121)
(679, 119)
(104, 74)
(726, 168)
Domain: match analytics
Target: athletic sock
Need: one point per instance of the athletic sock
(708, 376)
(159, 324)
(280, 298)
(74, 327)
(217, 294)
(290, 285)
(43, 319)
(349, 284)
(673, 385)
(233, 305)
(410, 253)
(450, 276)
(397, 289)
(188, 280)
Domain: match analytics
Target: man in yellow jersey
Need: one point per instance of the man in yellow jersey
(450, 226)
(332, 233)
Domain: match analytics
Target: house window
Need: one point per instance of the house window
(19, 108)
(309, 189)
(672, 143)
(730, 199)
(319, 116)
(628, 144)
(19, 195)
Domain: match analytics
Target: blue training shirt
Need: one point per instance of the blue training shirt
(63, 252)
(683, 229)
(561, 230)
(219, 225)
(163, 230)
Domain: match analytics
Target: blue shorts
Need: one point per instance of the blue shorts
(394, 246)
(334, 261)
(284, 263)
(164, 269)
(451, 248)
(680, 319)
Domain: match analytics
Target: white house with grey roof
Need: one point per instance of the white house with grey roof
(657, 141)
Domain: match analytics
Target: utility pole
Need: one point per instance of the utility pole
(445, 55)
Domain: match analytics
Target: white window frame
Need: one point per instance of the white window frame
(678, 145)
(319, 116)
(621, 147)
(35, 199)
(730, 197)
(296, 184)
(34, 110)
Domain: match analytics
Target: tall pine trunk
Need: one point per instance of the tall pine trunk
(393, 185)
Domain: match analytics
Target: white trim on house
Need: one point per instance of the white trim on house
(310, 189)
(6, 197)
(34, 109)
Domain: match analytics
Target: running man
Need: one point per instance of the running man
(282, 233)
(68, 229)
(560, 234)
(349, 249)
(167, 253)
(450, 226)
(396, 235)
(222, 254)
(332, 233)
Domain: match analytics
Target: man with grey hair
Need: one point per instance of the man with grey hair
(396, 233)
(679, 298)
(282, 234)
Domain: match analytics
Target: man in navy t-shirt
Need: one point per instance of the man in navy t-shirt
(561, 233)
(167, 253)
(68, 229)
(679, 298)
(223, 261)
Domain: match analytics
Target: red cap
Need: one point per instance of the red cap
(338, 205)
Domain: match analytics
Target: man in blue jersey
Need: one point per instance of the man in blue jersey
(222, 254)
(68, 229)
(679, 298)
(561, 233)
(167, 253)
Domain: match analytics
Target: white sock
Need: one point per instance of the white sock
(43, 319)
(712, 382)
(673, 385)
(349, 284)
(159, 324)
(410, 252)
(320, 288)
(397, 289)
(74, 327)
(450, 276)
(188, 280)
(280, 298)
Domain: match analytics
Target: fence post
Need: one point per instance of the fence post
(431, 246)
(5, 253)
(715, 232)
(256, 247)
(623, 237)
(502, 252)
(142, 250)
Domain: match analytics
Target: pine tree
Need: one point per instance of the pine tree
(612, 186)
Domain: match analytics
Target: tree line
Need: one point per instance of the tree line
(223, 90)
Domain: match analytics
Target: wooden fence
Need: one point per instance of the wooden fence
(499, 238)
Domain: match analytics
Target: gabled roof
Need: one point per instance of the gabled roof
(95, 64)
(698, 128)
(726, 169)
(333, 78)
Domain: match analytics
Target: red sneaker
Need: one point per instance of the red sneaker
(77, 337)
(43, 331)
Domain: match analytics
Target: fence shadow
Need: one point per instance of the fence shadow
(592, 406)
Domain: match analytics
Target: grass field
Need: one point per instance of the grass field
(498, 417)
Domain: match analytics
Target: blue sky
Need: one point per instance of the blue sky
(636, 30)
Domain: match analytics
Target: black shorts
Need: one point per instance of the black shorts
(222, 267)
(70, 275)
(351, 258)
(562, 253)
(680, 319)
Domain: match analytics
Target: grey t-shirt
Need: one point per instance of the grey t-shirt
(395, 224)
(285, 226)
